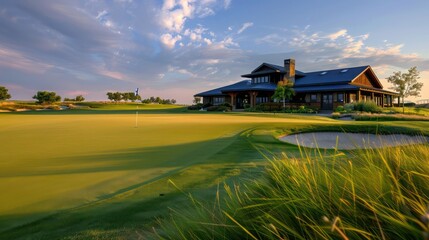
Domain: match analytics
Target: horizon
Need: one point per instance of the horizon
(175, 49)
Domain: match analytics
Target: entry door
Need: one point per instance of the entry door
(327, 102)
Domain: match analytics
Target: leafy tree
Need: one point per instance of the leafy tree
(158, 100)
(115, 96)
(133, 97)
(79, 98)
(284, 91)
(45, 97)
(197, 100)
(152, 99)
(4, 95)
(173, 101)
(406, 84)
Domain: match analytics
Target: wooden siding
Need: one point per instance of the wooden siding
(367, 79)
(364, 80)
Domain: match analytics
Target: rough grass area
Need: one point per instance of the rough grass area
(410, 110)
(369, 194)
(389, 117)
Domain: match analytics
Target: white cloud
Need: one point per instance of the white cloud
(169, 41)
(208, 41)
(340, 33)
(244, 27)
(175, 13)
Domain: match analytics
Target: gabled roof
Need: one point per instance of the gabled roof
(335, 76)
(275, 68)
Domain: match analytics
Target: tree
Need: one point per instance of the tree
(197, 100)
(79, 98)
(45, 97)
(133, 97)
(406, 84)
(173, 101)
(116, 96)
(284, 91)
(4, 95)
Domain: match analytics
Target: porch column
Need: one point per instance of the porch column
(233, 100)
(253, 98)
(372, 97)
(382, 100)
(358, 96)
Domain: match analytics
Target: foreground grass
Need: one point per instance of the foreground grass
(369, 194)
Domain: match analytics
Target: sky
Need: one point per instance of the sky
(177, 48)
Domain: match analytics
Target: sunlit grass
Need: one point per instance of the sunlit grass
(368, 194)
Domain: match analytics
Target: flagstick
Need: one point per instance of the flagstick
(137, 116)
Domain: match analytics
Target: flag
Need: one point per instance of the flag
(137, 92)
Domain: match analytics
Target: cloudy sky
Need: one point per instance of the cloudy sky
(176, 48)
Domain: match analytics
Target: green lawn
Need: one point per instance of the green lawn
(82, 174)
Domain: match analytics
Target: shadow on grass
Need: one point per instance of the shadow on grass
(213, 160)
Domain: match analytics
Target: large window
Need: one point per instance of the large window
(218, 100)
(263, 79)
(313, 98)
(262, 100)
(340, 97)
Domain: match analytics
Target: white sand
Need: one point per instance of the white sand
(351, 140)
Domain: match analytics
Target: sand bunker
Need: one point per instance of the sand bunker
(351, 140)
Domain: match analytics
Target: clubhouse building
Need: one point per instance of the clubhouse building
(323, 90)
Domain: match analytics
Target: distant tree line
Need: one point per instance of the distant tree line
(125, 96)
(78, 98)
(159, 100)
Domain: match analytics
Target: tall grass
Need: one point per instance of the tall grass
(368, 194)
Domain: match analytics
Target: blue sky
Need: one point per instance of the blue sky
(176, 48)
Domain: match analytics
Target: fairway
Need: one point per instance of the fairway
(99, 175)
(52, 162)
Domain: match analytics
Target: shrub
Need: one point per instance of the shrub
(349, 107)
(206, 105)
(197, 106)
(367, 106)
(336, 115)
(220, 108)
(340, 109)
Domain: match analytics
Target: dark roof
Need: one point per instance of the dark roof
(327, 80)
(245, 85)
(323, 88)
(275, 68)
(335, 76)
(282, 69)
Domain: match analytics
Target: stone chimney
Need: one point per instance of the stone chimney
(290, 70)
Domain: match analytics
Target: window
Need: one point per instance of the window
(264, 79)
(218, 100)
(323, 73)
(340, 97)
(261, 100)
(313, 98)
(344, 70)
